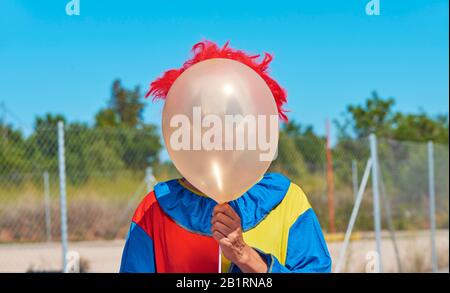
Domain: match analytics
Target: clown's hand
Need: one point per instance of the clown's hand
(227, 230)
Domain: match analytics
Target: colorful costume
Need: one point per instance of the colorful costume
(171, 230)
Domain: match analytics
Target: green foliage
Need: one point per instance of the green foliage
(377, 116)
(165, 171)
(118, 142)
(308, 143)
(125, 108)
(12, 154)
(421, 128)
(106, 118)
(119, 146)
(374, 117)
(301, 156)
(289, 160)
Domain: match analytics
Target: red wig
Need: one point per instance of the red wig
(208, 50)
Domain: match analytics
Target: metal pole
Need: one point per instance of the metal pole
(48, 224)
(432, 206)
(62, 193)
(376, 198)
(355, 211)
(387, 207)
(355, 178)
(148, 178)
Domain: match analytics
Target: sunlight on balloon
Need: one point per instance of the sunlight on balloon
(228, 89)
(217, 174)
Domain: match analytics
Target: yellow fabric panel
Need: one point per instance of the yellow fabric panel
(271, 234)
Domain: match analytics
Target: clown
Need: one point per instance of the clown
(269, 227)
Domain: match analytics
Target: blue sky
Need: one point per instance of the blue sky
(328, 53)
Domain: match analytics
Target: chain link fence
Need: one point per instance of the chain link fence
(102, 175)
(107, 175)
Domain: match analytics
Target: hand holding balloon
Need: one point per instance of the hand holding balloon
(227, 230)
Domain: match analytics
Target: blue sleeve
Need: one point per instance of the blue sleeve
(307, 251)
(138, 256)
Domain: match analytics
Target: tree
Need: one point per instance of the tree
(308, 143)
(138, 148)
(42, 144)
(106, 118)
(421, 128)
(289, 160)
(377, 116)
(125, 108)
(44, 136)
(88, 154)
(12, 155)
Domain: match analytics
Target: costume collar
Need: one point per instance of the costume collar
(193, 211)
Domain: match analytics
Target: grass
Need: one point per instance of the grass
(101, 207)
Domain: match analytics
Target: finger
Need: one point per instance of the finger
(220, 207)
(225, 242)
(224, 219)
(219, 227)
(223, 210)
(218, 236)
(227, 210)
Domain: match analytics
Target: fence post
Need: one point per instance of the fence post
(376, 198)
(387, 207)
(432, 205)
(148, 178)
(353, 216)
(48, 225)
(62, 193)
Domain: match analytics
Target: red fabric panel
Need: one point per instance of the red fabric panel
(176, 249)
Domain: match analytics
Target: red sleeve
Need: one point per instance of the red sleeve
(143, 214)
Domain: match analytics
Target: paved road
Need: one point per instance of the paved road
(104, 256)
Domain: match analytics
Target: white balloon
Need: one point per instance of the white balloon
(220, 127)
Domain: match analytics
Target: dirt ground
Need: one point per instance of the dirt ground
(104, 256)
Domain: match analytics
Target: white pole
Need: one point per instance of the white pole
(355, 211)
(376, 199)
(387, 207)
(149, 178)
(219, 270)
(62, 193)
(48, 225)
(432, 206)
